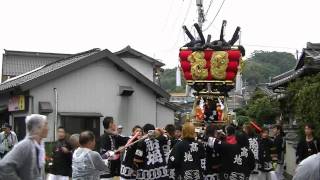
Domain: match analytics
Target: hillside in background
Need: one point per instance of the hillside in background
(259, 68)
(262, 65)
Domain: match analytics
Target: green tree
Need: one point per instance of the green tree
(242, 119)
(262, 65)
(304, 99)
(240, 111)
(262, 109)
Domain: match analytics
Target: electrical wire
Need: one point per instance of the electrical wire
(180, 7)
(180, 29)
(187, 13)
(168, 15)
(215, 16)
(208, 8)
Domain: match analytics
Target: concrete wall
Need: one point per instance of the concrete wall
(292, 139)
(164, 115)
(144, 67)
(290, 157)
(95, 88)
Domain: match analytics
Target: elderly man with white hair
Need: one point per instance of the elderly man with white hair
(26, 160)
(309, 168)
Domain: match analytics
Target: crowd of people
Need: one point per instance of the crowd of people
(174, 152)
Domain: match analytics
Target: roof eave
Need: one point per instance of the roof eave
(280, 76)
(301, 72)
(168, 104)
(136, 53)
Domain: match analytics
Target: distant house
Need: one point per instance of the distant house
(15, 63)
(77, 91)
(308, 64)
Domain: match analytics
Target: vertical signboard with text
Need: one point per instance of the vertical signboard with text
(17, 103)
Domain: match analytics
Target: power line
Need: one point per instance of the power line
(208, 8)
(185, 17)
(180, 29)
(178, 15)
(173, 46)
(215, 16)
(168, 15)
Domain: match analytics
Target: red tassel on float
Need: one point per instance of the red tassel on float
(234, 55)
(185, 65)
(230, 75)
(184, 54)
(232, 66)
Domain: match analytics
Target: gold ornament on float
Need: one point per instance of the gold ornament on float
(219, 65)
(198, 66)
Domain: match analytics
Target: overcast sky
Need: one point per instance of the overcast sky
(152, 26)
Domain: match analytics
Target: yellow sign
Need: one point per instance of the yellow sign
(17, 103)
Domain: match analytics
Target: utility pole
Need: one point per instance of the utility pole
(201, 19)
(200, 13)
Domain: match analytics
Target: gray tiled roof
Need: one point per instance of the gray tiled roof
(168, 104)
(283, 75)
(312, 53)
(63, 66)
(305, 70)
(40, 71)
(19, 62)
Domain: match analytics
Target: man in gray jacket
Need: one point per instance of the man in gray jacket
(26, 160)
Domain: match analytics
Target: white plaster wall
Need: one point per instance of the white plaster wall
(164, 115)
(144, 67)
(95, 88)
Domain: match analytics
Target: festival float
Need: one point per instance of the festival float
(210, 69)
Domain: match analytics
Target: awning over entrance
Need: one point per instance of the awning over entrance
(3, 108)
(81, 114)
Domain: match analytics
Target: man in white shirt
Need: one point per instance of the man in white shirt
(87, 164)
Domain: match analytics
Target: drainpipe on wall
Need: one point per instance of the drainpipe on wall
(156, 113)
(55, 121)
(32, 104)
